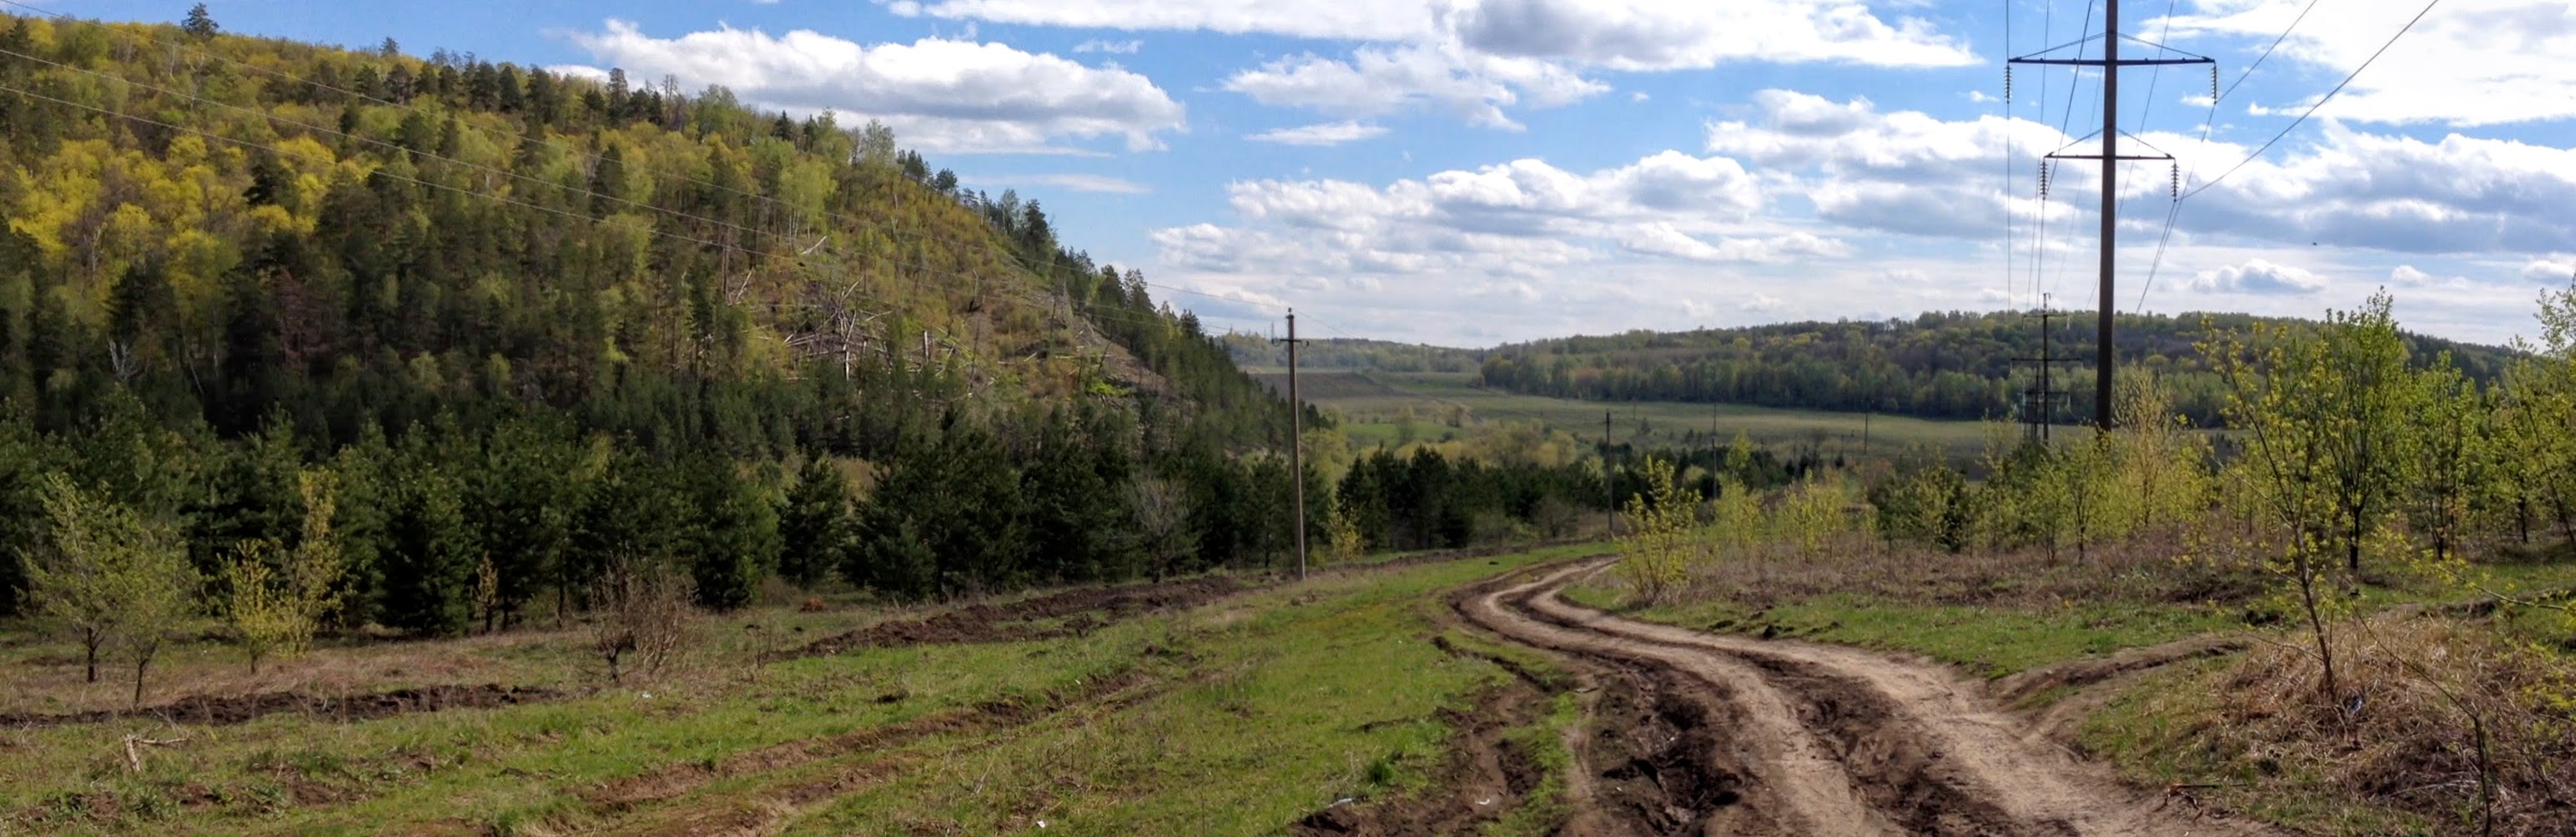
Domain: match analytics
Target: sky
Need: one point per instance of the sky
(1473, 172)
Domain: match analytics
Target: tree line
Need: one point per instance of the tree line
(1952, 365)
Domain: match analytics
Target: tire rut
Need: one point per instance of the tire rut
(1842, 741)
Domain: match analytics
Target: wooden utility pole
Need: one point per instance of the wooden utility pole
(1296, 443)
(2110, 63)
(1609, 480)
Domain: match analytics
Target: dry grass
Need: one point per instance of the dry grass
(2404, 738)
(40, 674)
(2140, 569)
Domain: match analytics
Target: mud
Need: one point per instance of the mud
(1067, 613)
(1485, 776)
(1755, 737)
(223, 710)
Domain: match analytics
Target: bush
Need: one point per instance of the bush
(643, 618)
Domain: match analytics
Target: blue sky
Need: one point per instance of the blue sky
(1475, 171)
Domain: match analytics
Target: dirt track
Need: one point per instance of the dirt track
(1817, 739)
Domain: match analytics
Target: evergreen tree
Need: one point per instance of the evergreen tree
(199, 25)
(815, 525)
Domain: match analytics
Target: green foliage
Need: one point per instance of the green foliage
(1656, 551)
(815, 527)
(540, 326)
(276, 609)
(117, 580)
(1938, 365)
(2326, 450)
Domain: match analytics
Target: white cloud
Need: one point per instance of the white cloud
(2469, 62)
(1662, 239)
(1377, 81)
(2257, 276)
(938, 95)
(1111, 47)
(1477, 58)
(1076, 182)
(1329, 133)
(1638, 96)
(1335, 19)
(1908, 172)
(2554, 268)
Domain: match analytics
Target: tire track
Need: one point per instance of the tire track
(1843, 741)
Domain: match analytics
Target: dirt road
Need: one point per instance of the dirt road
(1815, 739)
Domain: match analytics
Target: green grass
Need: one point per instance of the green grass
(1245, 715)
(1371, 403)
(1319, 693)
(1988, 641)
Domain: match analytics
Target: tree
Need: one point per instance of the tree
(1657, 550)
(876, 144)
(199, 25)
(118, 581)
(2324, 447)
(277, 609)
(815, 527)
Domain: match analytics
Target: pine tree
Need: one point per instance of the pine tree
(199, 25)
(815, 525)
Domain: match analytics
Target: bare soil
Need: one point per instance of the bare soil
(1487, 775)
(1067, 613)
(222, 710)
(1761, 737)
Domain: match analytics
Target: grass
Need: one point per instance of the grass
(1372, 402)
(1235, 718)
(1990, 641)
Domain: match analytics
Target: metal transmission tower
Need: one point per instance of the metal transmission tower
(1296, 440)
(2110, 62)
(2037, 418)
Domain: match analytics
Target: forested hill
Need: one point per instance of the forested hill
(235, 257)
(247, 223)
(1938, 365)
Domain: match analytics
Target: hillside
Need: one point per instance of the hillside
(436, 279)
(1938, 365)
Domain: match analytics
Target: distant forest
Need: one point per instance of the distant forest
(1939, 365)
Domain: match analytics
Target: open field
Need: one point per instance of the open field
(1238, 714)
(1373, 405)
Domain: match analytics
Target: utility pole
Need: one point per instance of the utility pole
(2110, 63)
(1296, 443)
(1609, 481)
(2039, 419)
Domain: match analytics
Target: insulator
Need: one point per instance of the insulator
(2174, 188)
(2008, 82)
(2043, 180)
(2213, 83)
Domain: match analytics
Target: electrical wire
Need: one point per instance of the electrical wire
(2173, 208)
(2320, 102)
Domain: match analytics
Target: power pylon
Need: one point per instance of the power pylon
(2111, 63)
(2039, 403)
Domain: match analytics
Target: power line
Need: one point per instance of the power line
(2320, 102)
(2173, 208)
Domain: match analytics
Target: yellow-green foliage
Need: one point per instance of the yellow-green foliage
(120, 581)
(275, 610)
(1813, 512)
(1657, 547)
